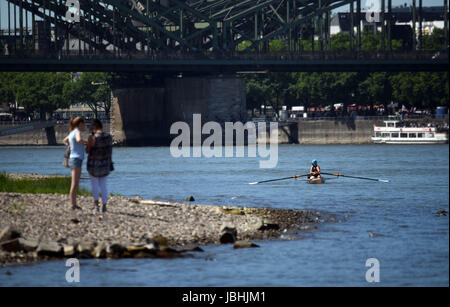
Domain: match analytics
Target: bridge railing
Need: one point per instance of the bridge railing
(234, 56)
(373, 118)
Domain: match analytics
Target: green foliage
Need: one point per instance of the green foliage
(40, 91)
(435, 41)
(45, 92)
(376, 89)
(277, 45)
(8, 87)
(92, 88)
(243, 45)
(321, 89)
(51, 185)
(340, 42)
(422, 90)
(256, 92)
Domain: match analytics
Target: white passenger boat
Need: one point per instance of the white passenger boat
(395, 133)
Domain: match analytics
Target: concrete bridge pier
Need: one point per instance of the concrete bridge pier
(143, 115)
(51, 135)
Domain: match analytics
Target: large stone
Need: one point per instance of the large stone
(11, 245)
(168, 252)
(269, 225)
(142, 250)
(99, 251)
(19, 244)
(152, 246)
(68, 250)
(244, 244)
(441, 213)
(28, 245)
(84, 249)
(160, 240)
(229, 235)
(135, 248)
(52, 249)
(8, 233)
(135, 200)
(115, 250)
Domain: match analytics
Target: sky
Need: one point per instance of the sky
(4, 8)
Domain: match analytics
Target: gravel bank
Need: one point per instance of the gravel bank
(48, 218)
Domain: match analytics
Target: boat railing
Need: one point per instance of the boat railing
(340, 118)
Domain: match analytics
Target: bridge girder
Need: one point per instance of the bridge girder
(149, 32)
(173, 25)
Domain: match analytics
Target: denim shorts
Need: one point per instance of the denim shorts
(75, 162)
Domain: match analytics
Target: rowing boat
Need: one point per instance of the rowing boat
(319, 180)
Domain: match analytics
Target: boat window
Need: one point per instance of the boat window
(378, 134)
(395, 135)
(429, 135)
(386, 135)
(420, 135)
(412, 135)
(403, 135)
(391, 124)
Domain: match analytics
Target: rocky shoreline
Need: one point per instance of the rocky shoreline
(36, 227)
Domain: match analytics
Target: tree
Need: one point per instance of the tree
(41, 92)
(256, 93)
(7, 87)
(340, 42)
(277, 45)
(93, 89)
(421, 90)
(376, 89)
(434, 41)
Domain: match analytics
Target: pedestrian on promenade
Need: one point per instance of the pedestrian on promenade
(77, 145)
(99, 163)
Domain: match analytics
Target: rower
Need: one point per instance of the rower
(314, 172)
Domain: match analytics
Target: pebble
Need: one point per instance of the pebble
(131, 220)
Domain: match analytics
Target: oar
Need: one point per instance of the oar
(285, 178)
(356, 177)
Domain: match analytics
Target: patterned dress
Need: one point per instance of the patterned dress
(99, 160)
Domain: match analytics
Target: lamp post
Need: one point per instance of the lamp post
(104, 104)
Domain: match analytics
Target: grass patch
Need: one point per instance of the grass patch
(50, 185)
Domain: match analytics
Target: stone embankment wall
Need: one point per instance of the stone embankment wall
(328, 132)
(149, 127)
(45, 136)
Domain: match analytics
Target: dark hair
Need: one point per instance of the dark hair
(75, 122)
(97, 124)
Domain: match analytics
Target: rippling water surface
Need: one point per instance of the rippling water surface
(411, 243)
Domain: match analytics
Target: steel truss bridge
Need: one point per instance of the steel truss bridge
(198, 36)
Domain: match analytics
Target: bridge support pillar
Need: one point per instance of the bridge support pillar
(51, 136)
(143, 116)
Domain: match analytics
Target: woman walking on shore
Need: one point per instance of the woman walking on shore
(99, 162)
(76, 143)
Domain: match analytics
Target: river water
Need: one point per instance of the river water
(411, 242)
